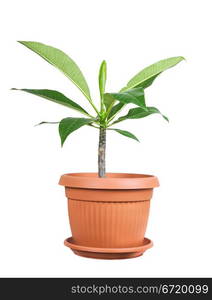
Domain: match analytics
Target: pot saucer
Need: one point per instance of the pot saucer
(108, 253)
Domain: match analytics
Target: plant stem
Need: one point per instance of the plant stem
(93, 126)
(94, 107)
(109, 109)
(101, 152)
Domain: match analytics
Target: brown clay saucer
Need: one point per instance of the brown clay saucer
(108, 253)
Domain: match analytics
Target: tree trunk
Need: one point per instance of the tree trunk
(101, 152)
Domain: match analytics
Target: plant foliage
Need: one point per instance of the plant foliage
(111, 103)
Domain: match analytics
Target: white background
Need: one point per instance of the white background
(129, 35)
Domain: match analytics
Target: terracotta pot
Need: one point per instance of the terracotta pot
(108, 216)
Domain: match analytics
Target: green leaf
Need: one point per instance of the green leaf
(135, 96)
(44, 122)
(145, 77)
(61, 61)
(108, 100)
(137, 113)
(68, 125)
(56, 97)
(102, 78)
(148, 82)
(126, 133)
(115, 109)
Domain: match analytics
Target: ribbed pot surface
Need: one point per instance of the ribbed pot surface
(111, 218)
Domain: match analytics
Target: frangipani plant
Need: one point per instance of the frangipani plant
(111, 104)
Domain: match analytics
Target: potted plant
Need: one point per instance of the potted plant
(108, 212)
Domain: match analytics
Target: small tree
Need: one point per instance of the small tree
(110, 103)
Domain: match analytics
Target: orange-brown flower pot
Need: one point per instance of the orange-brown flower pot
(108, 216)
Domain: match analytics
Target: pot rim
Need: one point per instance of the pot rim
(111, 181)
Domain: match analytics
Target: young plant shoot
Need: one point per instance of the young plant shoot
(111, 104)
